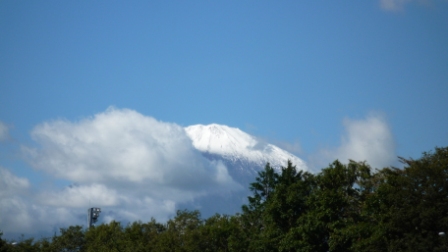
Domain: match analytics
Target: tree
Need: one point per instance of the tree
(252, 219)
(107, 237)
(411, 205)
(22, 245)
(278, 201)
(71, 239)
(182, 233)
(287, 205)
(262, 189)
(144, 236)
(222, 233)
(288, 202)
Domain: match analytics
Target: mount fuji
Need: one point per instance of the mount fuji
(237, 147)
(243, 155)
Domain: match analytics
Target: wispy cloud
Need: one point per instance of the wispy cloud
(11, 185)
(393, 5)
(4, 132)
(399, 5)
(369, 139)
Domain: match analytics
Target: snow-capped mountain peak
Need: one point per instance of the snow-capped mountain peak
(237, 146)
(219, 139)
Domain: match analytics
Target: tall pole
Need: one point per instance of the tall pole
(92, 215)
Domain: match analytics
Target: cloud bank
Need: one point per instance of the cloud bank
(131, 165)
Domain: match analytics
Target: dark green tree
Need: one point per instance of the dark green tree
(332, 203)
(18, 246)
(71, 239)
(262, 189)
(411, 204)
(182, 233)
(282, 206)
(288, 202)
(252, 220)
(287, 205)
(144, 236)
(107, 237)
(222, 233)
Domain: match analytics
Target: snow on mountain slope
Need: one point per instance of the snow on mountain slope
(236, 146)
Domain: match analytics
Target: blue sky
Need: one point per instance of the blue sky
(315, 76)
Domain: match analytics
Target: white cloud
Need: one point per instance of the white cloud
(76, 196)
(4, 132)
(369, 139)
(123, 147)
(132, 166)
(20, 215)
(13, 213)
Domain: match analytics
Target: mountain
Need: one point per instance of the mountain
(243, 155)
(236, 147)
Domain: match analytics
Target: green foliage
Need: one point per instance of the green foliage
(411, 204)
(71, 240)
(222, 233)
(262, 188)
(108, 237)
(181, 233)
(21, 245)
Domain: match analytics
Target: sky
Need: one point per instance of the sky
(94, 96)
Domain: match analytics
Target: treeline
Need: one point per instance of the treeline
(345, 207)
